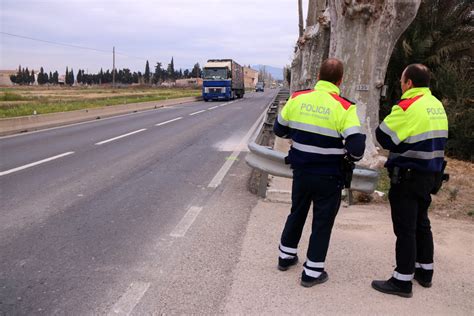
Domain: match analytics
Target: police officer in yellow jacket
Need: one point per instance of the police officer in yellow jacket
(415, 132)
(324, 129)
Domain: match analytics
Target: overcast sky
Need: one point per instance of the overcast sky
(249, 31)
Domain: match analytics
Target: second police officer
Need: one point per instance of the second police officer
(415, 132)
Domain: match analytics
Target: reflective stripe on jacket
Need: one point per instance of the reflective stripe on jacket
(415, 132)
(318, 121)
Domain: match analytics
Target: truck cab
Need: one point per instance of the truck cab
(222, 79)
(260, 87)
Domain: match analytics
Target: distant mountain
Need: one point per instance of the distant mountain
(277, 73)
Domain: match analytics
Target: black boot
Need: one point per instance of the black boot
(285, 264)
(424, 277)
(394, 286)
(308, 281)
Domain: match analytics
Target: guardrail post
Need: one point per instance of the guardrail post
(262, 185)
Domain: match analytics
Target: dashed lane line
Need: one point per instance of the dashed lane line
(121, 136)
(130, 299)
(35, 163)
(166, 122)
(186, 222)
(214, 107)
(197, 112)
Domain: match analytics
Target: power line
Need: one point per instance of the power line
(69, 45)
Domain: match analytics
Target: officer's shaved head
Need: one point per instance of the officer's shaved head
(419, 75)
(331, 70)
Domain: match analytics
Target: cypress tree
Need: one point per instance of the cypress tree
(56, 77)
(170, 69)
(147, 73)
(71, 77)
(25, 77)
(79, 76)
(41, 78)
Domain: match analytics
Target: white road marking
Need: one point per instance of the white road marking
(214, 107)
(197, 112)
(163, 123)
(186, 222)
(121, 136)
(35, 163)
(217, 180)
(130, 298)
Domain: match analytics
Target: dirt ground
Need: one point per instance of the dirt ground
(454, 200)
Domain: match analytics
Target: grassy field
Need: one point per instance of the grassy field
(22, 101)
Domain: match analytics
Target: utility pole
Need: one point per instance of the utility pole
(113, 69)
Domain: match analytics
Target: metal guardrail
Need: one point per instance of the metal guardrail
(273, 162)
(268, 161)
(265, 137)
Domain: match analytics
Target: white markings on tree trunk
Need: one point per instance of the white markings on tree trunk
(217, 180)
(121, 136)
(35, 163)
(130, 298)
(186, 222)
(166, 122)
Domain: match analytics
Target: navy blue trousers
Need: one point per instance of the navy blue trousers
(409, 202)
(325, 194)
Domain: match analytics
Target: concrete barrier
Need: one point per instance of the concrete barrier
(35, 122)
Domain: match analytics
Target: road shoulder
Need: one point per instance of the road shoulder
(362, 249)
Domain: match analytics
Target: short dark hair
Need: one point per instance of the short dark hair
(419, 74)
(331, 70)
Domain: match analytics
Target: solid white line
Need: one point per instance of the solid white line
(214, 107)
(197, 112)
(163, 123)
(186, 222)
(217, 180)
(35, 163)
(121, 136)
(130, 298)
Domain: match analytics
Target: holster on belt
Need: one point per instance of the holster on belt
(440, 177)
(347, 172)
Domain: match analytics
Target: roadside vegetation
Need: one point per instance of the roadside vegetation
(22, 101)
(441, 37)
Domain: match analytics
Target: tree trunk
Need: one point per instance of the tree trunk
(363, 35)
(311, 48)
(300, 17)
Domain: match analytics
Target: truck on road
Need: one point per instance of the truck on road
(222, 79)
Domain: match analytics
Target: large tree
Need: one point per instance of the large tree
(362, 35)
(196, 72)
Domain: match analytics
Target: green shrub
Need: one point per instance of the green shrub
(10, 96)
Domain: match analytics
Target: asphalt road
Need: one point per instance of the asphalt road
(128, 215)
